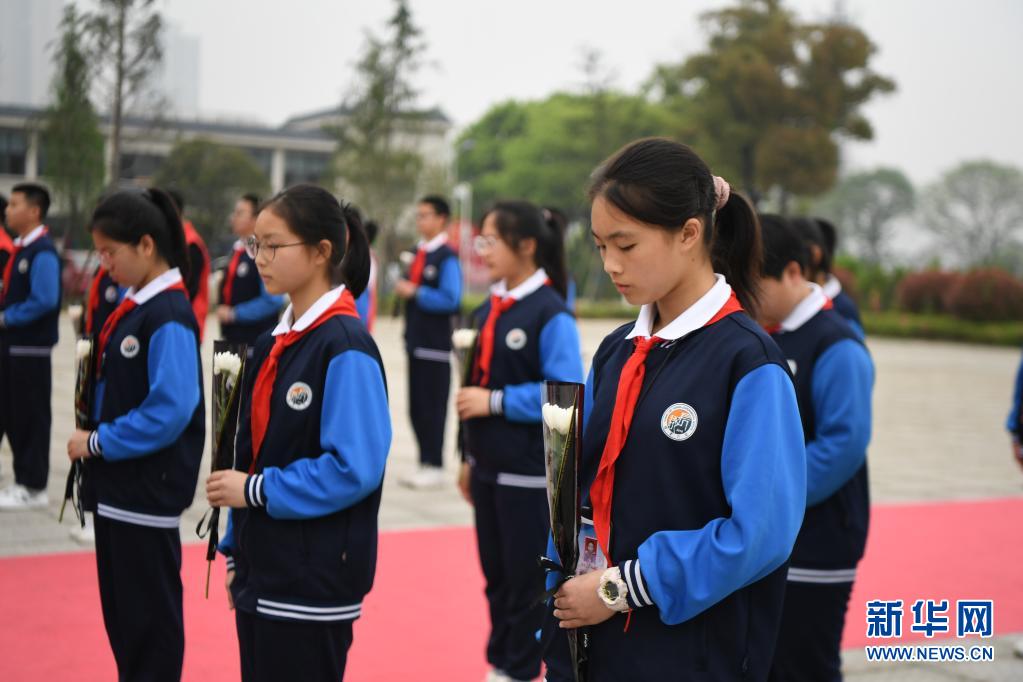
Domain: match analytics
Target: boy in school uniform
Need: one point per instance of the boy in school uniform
(834, 378)
(29, 310)
(433, 295)
(198, 282)
(246, 310)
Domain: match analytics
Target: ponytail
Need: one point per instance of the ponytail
(176, 253)
(356, 262)
(737, 250)
(550, 249)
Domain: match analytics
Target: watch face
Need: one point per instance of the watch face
(610, 591)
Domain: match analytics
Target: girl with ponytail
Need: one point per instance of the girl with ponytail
(141, 461)
(526, 335)
(313, 435)
(693, 468)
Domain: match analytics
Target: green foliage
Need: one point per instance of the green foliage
(941, 327)
(211, 177)
(71, 136)
(771, 96)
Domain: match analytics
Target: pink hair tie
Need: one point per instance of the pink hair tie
(722, 190)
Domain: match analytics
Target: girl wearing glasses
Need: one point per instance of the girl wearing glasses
(693, 457)
(246, 309)
(142, 461)
(527, 335)
(302, 534)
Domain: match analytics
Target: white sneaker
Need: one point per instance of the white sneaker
(425, 478)
(19, 498)
(84, 535)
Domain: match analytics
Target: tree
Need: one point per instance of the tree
(771, 96)
(865, 205)
(125, 37)
(376, 160)
(976, 210)
(71, 136)
(211, 176)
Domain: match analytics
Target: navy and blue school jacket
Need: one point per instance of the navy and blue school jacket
(1014, 423)
(255, 310)
(834, 379)
(535, 340)
(428, 314)
(31, 305)
(150, 410)
(103, 299)
(305, 547)
(844, 305)
(709, 494)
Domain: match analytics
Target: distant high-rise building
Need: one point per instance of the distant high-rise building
(177, 78)
(28, 32)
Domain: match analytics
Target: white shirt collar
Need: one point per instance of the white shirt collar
(31, 236)
(315, 310)
(435, 243)
(806, 309)
(158, 285)
(532, 283)
(833, 287)
(239, 245)
(694, 317)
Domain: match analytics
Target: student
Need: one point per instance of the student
(142, 461)
(246, 310)
(367, 302)
(198, 282)
(29, 310)
(834, 378)
(820, 238)
(693, 455)
(844, 304)
(433, 294)
(6, 245)
(527, 335)
(312, 443)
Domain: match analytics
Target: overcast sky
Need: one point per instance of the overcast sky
(957, 62)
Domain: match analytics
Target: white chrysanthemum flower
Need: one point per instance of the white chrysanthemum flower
(227, 363)
(557, 418)
(83, 348)
(75, 312)
(463, 339)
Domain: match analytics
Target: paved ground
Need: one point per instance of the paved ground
(939, 410)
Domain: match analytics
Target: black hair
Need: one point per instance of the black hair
(314, 214)
(253, 201)
(661, 182)
(782, 245)
(518, 220)
(830, 234)
(35, 194)
(3, 211)
(439, 203)
(816, 247)
(179, 199)
(372, 229)
(128, 215)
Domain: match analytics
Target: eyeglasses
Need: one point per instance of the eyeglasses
(482, 243)
(253, 247)
(105, 256)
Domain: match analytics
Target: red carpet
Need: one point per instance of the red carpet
(426, 618)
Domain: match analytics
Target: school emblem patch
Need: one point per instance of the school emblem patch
(515, 339)
(792, 367)
(430, 272)
(299, 396)
(243, 269)
(130, 346)
(679, 421)
(23, 266)
(110, 294)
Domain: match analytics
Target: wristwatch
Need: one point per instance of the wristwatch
(613, 591)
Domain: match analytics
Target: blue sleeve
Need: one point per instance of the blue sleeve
(1013, 422)
(44, 293)
(362, 306)
(570, 295)
(763, 469)
(552, 554)
(560, 360)
(259, 308)
(447, 297)
(173, 372)
(843, 380)
(226, 544)
(588, 398)
(355, 435)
